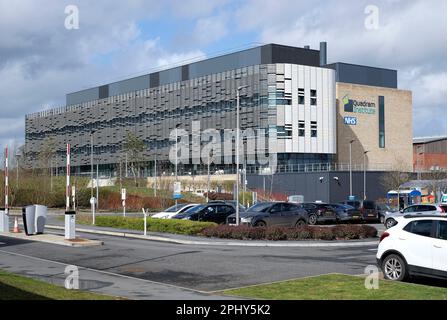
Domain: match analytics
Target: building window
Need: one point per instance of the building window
(313, 129)
(288, 130)
(280, 132)
(381, 122)
(300, 96)
(313, 97)
(301, 128)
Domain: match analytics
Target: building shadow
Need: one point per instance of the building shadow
(8, 292)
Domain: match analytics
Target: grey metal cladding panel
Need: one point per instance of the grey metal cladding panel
(103, 92)
(170, 76)
(365, 75)
(82, 96)
(134, 84)
(226, 62)
(286, 54)
(154, 80)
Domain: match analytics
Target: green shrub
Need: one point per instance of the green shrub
(154, 225)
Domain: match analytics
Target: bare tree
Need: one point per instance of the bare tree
(392, 180)
(134, 148)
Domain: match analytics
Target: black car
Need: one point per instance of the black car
(368, 209)
(319, 212)
(346, 213)
(211, 212)
(266, 214)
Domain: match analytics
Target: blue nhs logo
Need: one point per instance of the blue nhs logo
(352, 121)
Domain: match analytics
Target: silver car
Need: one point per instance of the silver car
(422, 209)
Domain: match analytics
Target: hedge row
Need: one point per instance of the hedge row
(155, 225)
(340, 232)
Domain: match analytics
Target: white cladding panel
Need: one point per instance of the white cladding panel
(322, 114)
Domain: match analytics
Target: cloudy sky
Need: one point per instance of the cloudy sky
(41, 60)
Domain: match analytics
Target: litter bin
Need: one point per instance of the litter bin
(4, 221)
(40, 218)
(29, 219)
(70, 225)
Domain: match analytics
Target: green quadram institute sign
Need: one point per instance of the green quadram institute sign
(356, 106)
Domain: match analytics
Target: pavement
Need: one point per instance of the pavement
(54, 239)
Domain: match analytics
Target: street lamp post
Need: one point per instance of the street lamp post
(350, 168)
(208, 180)
(364, 174)
(237, 151)
(176, 157)
(91, 177)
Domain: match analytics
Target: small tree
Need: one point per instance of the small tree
(134, 148)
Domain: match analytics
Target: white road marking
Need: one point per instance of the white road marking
(105, 272)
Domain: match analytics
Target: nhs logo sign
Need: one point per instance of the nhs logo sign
(352, 121)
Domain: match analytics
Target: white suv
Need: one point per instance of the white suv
(415, 246)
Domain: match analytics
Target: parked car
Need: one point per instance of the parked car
(346, 213)
(367, 208)
(319, 212)
(421, 209)
(383, 210)
(267, 214)
(415, 246)
(172, 211)
(211, 212)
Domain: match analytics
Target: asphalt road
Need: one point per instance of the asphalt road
(147, 269)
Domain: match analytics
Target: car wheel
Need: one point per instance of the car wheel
(394, 268)
(260, 224)
(313, 219)
(390, 223)
(300, 223)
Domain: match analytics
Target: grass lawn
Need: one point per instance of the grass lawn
(339, 287)
(15, 287)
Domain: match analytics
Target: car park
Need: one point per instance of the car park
(319, 212)
(367, 208)
(420, 209)
(216, 212)
(174, 210)
(267, 214)
(415, 246)
(346, 213)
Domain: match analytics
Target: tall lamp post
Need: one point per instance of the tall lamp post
(350, 167)
(237, 150)
(91, 177)
(176, 157)
(364, 174)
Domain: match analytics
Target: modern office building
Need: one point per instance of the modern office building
(315, 108)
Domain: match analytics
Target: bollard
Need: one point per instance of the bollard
(4, 221)
(70, 225)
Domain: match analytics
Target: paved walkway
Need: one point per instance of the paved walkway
(99, 281)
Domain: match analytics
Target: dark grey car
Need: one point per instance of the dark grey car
(266, 214)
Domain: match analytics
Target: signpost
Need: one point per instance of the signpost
(177, 190)
(73, 197)
(123, 198)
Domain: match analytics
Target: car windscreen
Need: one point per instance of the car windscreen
(175, 207)
(260, 207)
(369, 204)
(194, 209)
